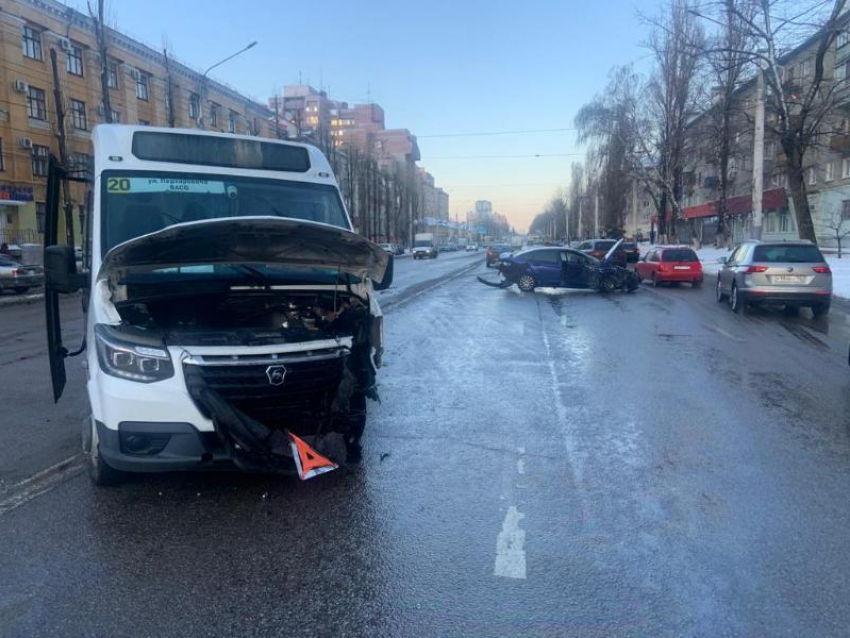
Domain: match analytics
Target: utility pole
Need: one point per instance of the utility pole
(63, 149)
(634, 211)
(580, 235)
(596, 214)
(758, 156)
(567, 224)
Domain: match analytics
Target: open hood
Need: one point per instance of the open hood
(610, 253)
(269, 240)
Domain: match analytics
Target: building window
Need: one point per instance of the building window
(78, 115)
(81, 164)
(2, 163)
(813, 176)
(194, 106)
(842, 39)
(74, 61)
(845, 168)
(770, 223)
(40, 210)
(830, 171)
(31, 44)
(845, 210)
(36, 104)
(116, 117)
(40, 155)
(213, 115)
(112, 74)
(840, 73)
(144, 123)
(142, 86)
(231, 122)
(784, 223)
(806, 68)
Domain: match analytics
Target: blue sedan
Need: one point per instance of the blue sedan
(549, 267)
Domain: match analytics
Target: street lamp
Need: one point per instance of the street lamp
(204, 80)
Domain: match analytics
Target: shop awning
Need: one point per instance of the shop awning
(773, 199)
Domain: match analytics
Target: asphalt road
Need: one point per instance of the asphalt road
(540, 465)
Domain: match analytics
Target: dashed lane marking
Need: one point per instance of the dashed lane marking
(510, 547)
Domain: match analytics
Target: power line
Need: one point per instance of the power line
(484, 133)
(533, 155)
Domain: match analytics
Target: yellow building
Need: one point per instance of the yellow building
(145, 88)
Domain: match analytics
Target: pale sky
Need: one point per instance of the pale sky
(437, 68)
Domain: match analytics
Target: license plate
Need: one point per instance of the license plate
(681, 267)
(787, 279)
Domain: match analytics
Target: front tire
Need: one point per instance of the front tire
(718, 292)
(735, 302)
(100, 472)
(607, 285)
(526, 283)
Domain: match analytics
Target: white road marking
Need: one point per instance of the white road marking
(725, 334)
(37, 484)
(510, 547)
(520, 466)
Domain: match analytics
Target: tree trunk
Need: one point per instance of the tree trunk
(797, 183)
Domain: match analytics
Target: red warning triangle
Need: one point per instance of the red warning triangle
(309, 462)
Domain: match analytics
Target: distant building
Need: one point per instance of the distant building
(143, 89)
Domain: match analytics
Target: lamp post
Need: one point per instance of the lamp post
(204, 80)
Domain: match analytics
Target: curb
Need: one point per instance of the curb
(20, 300)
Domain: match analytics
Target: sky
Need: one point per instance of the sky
(438, 68)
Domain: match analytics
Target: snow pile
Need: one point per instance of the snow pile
(709, 255)
(840, 274)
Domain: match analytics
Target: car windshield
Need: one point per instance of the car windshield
(604, 245)
(679, 254)
(135, 204)
(792, 254)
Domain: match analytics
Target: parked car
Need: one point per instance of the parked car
(632, 251)
(563, 268)
(786, 273)
(670, 264)
(472, 248)
(491, 257)
(393, 249)
(450, 248)
(598, 248)
(15, 276)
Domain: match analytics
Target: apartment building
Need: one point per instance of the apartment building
(144, 88)
(827, 168)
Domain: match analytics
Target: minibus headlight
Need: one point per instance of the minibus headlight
(127, 360)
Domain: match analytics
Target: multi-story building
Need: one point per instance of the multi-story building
(144, 88)
(827, 162)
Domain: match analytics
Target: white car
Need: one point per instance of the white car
(472, 248)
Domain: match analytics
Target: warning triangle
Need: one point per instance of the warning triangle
(309, 462)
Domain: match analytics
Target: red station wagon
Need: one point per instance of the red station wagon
(670, 264)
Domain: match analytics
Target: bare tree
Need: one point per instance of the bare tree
(838, 226)
(675, 40)
(800, 105)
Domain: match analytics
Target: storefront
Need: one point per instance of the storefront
(18, 218)
(777, 222)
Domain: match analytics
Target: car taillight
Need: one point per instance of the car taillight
(17, 272)
(756, 269)
(823, 270)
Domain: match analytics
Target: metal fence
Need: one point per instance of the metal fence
(27, 236)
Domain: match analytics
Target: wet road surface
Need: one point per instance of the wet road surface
(540, 465)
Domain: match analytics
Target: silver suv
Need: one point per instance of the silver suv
(786, 273)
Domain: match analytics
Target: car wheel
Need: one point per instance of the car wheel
(526, 283)
(718, 292)
(820, 310)
(21, 289)
(100, 472)
(735, 301)
(607, 285)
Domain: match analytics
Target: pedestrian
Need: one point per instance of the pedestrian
(652, 237)
(4, 249)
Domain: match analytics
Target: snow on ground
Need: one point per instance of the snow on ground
(709, 255)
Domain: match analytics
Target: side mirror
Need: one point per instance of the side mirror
(60, 270)
(387, 281)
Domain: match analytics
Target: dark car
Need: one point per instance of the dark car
(493, 252)
(632, 251)
(564, 268)
(598, 248)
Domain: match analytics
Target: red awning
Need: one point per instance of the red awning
(774, 199)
